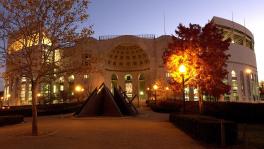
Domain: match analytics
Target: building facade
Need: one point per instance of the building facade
(135, 64)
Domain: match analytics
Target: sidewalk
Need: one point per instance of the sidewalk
(147, 130)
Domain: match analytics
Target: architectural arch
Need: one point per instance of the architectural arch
(128, 85)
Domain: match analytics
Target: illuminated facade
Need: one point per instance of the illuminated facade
(135, 64)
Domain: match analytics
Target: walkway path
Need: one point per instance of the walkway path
(148, 130)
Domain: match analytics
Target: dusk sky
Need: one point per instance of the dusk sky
(119, 17)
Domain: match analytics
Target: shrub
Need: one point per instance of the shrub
(238, 112)
(48, 109)
(9, 120)
(165, 106)
(234, 111)
(205, 128)
(168, 106)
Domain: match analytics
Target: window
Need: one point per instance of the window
(29, 93)
(23, 79)
(61, 79)
(61, 87)
(86, 76)
(234, 85)
(71, 78)
(167, 75)
(233, 73)
(23, 92)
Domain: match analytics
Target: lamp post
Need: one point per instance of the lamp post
(155, 87)
(79, 89)
(39, 95)
(182, 71)
(167, 89)
(141, 94)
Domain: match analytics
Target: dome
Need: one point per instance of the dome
(127, 58)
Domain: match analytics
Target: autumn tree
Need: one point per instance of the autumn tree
(34, 33)
(202, 51)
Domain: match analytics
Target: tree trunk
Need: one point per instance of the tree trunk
(200, 101)
(34, 108)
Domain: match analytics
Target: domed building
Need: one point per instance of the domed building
(135, 64)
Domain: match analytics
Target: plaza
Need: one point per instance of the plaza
(147, 130)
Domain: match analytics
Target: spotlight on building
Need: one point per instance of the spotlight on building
(79, 88)
(39, 94)
(248, 71)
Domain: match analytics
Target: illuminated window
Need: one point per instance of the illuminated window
(57, 55)
(128, 85)
(54, 89)
(86, 76)
(233, 73)
(23, 92)
(29, 93)
(23, 79)
(129, 89)
(71, 78)
(61, 79)
(234, 85)
(167, 75)
(61, 87)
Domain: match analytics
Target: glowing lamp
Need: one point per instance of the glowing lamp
(155, 87)
(78, 88)
(39, 95)
(248, 71)
(182, 69)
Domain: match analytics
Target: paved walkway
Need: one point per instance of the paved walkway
(148, 130)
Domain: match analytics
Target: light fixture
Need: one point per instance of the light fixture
(182, 69)
(155, 87)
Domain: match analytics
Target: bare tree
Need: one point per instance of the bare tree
(33, 34)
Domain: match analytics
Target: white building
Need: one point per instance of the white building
(135, 63)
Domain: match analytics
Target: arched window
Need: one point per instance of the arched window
(233, 73)
(234, 85)
(128, 85)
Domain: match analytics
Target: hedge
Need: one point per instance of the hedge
(239, 112)
(234, 111)
(48, 109)
(9, 120)
(206, 129)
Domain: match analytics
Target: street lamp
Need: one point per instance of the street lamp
(182, 70)
(167, 89)
(78, 90)
(155, 87)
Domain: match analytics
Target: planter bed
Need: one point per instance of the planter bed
(207, 129)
